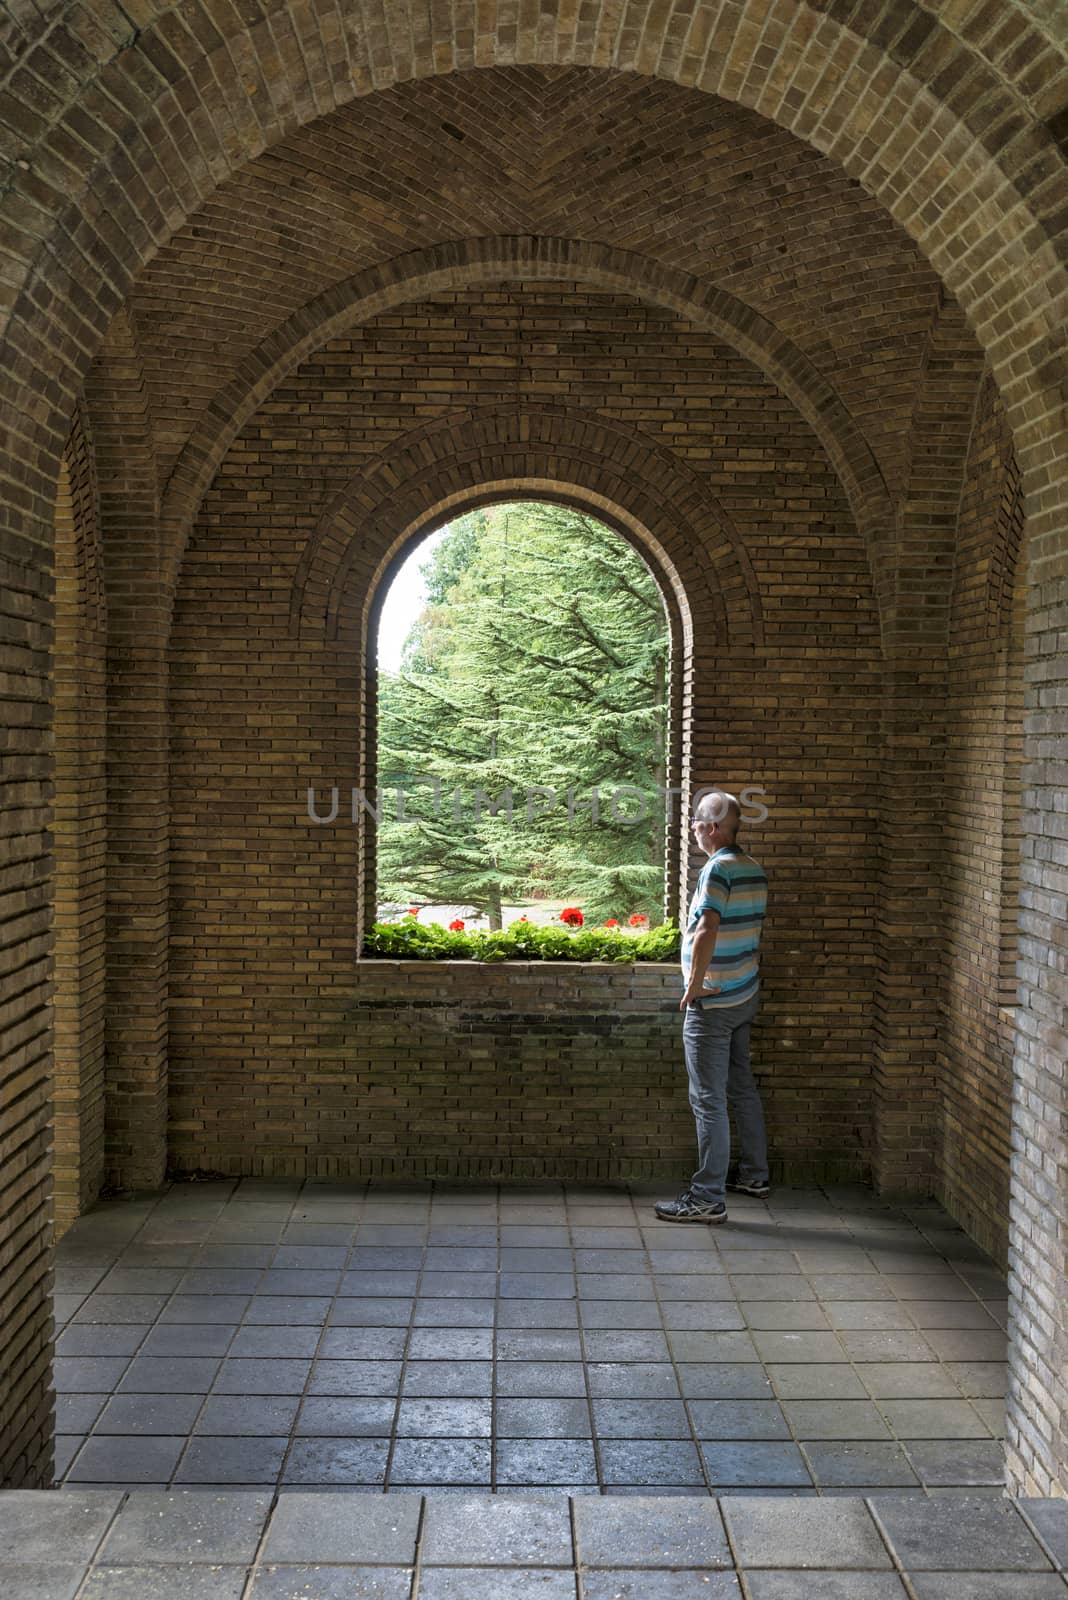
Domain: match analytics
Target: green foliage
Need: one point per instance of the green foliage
(522, 941)
(539, 663)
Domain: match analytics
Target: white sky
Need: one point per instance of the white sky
(403, 603)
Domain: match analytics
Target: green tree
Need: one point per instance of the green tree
(539, 667)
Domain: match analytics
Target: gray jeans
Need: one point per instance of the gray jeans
(716, 1042)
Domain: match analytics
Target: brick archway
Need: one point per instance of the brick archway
(141, 125)
(470, 262)
(650, 495)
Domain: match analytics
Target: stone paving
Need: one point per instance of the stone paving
(197, 1545)
(446, 1339)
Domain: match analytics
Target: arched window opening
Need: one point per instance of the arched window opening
(522, 727)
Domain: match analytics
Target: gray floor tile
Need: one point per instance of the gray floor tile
(651, 1532)
(238, 1414)
(825, 1586)
(808, 1533)
(532, 1530)
(854, 1287)
(241, 1375)
(219, 1280)
(515, 1258)
(519, 1583)
(76, 1413)
(39, 1580)
(641, 1419)
(188, 1339)
(989, 1586)
(786, 1316)
(540, 1379)
(118, 1458)
(618, 1314)
(835, 1419)
(336, 1460)
(873, 1314)
(536, 1286)
(280, 1342)
(101, 1339)
(542, 1419)
(874, 1345)
(544, 1462)
(372, 1313)
(979, 1380)
(967, 1344)
(457, 1419)
(933, 1419)
(445, 1379)
(181, 1527)
(1050, 1517)
(361, 1285)
(41, 1527)
(328, 1416)
(441, 1460)
(950, 1314)
(609, 1344)
(282, 1310)
(439, 1344)
(205, 1308)
(309, 1257)
(470, 1314)
(651, 1461)
(539, 1344)
(189, 1583)
(88, 1374)
(150, 1413)
(318, 1582)
(169, 1375)
(730, 1380)
(959, 1534)
(353, 1528)
(683, 1585)
(117, 1308)
(907, 1380)
(752, 1463)
(211, 1459)
(958, 1461)
(860, 1464)
(738, 1419)
(810, 1348)
(637, 1380)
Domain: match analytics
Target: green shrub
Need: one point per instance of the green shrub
(522, 941)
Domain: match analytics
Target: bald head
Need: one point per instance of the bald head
(720, 807)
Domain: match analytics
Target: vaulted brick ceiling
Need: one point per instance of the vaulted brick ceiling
(673, 174)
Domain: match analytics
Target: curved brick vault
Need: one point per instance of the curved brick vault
(460, 459)
(467, 263)
(950, 119)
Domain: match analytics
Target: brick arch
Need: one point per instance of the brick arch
(469, 262)
(645, 491)
(889, 108)
(144, 121)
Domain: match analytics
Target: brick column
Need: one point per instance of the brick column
(137, 768)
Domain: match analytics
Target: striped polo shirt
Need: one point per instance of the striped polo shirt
(733, 884)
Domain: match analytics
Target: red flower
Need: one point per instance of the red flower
(456, 926)
(413, 911)
(637, 920)
(572, 916)
(522, 919)
(611, 923)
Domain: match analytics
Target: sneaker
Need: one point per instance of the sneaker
(759, 1191)
(688, 1208)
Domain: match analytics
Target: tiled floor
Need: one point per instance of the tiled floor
(557, 1338)
(103, 1545)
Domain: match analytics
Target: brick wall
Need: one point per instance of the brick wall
(80, 831)
(267, 1031)
(953, 120)
(978, 833)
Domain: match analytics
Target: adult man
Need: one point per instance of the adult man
(720, 968)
